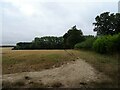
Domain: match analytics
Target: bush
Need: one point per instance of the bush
(100, 45)
(87, 44)
(116, 42)
(107, 44)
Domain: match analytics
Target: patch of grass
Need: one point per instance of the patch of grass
(36, 85)
(16, 61)
(107, 64)
(7, 84)
(19, 84)
(22, 84)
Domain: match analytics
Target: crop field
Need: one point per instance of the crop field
(15, 61)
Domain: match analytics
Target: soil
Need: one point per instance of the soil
(74, 74)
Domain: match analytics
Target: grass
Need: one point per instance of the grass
(101, 62)
(107, 64)
(16, 61)
(22, 84)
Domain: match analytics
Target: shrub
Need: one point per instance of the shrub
(87, 44)
(107, 44)
(116, 42)
(103, 44)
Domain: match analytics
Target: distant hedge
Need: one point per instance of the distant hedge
(87, 44)
(107, 44)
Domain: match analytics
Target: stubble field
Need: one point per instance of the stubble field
(16, 61)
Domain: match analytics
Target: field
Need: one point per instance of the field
(17, 61)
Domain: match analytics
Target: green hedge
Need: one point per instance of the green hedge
(107, 44)
(87, 44)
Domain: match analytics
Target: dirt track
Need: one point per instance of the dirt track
(74, 74)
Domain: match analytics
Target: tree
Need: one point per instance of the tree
(117, 23)
(107, 24)
(36, 43)
(72, 37)
(22, 45)
(48, 42)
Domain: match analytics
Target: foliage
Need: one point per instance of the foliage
(23, 45)
(107, 24)
(72, 37)
(87, 44)
(107, 44)
(48, 43)
(42, 43)
(68, 41)
(88, 36)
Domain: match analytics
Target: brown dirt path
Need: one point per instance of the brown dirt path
(74, 74)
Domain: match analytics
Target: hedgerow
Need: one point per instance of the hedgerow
(107, 44)
(87, 44)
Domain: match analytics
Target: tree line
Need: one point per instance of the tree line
(107, 26)
(67, 41)
(47, 42)
(107, 40)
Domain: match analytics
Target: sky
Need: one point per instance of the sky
(23, 20)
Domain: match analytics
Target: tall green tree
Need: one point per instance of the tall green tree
(72, 37)
(107, 24)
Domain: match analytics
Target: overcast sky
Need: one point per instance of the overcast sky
(23, 20)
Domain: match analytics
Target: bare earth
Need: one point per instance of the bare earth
(74, 74)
